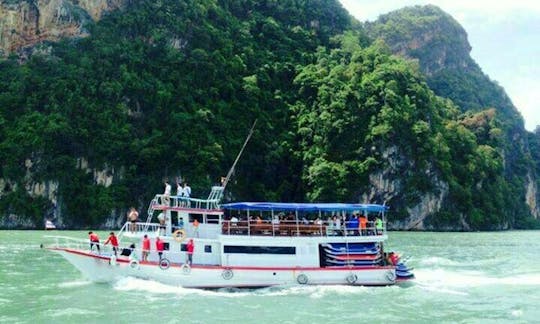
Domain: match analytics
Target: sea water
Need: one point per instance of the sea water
(490, 277)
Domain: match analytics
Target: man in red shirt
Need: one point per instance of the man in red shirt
(94, 239)
(145, 248)
(190, 249)
(159, 247)
(114, 242)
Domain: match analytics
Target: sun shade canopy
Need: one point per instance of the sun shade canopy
(307, 207)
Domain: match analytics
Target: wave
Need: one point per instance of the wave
(66, 312)
(438, 261)
(315, 292)
(445, 278)
(77, 283)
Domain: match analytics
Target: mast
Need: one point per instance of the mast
(231, 170)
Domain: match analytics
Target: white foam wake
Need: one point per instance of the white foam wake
(156, 288)
(445, 278)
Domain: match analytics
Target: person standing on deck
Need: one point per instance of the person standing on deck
(179, 192)
(190, 248)
(133, 217)
(167, 193)
(187, 193)
(145, 247)
(196, 227)
(363, 224)
(379, 226)
(187, 190)
(159, 247)
(114, 242)
(94, 240)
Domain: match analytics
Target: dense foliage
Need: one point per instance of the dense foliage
(170, 88)
(440, 45)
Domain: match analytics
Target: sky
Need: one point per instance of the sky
(504, 36)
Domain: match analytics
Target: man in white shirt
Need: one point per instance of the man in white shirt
(167, 193)
(187, 190)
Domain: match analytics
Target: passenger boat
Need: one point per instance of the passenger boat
(49, 225)
(246, 244)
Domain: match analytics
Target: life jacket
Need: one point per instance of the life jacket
(394, 258)
(159, 245)
(363, 222)
(146, 244)
(94, 237)
(190, 247)
(113, 239)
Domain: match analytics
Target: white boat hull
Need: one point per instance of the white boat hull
(98, 268)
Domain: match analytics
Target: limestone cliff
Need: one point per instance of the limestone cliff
(439, 44)
(26, 23)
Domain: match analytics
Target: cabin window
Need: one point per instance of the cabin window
(212, 219)
(183, 247)
(259, 249)
(208, 249)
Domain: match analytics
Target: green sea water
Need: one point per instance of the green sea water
(461, 278)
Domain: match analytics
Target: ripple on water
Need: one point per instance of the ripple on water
(447, 280)
(315, 292)
(77, 283)
(70, 311)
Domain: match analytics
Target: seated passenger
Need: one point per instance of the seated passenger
(363, 224)
(352, 225)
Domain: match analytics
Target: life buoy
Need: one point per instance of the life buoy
(179, 235)
(302, 279)
(352, 278)
(112, 260)
(164, 264)
(227, 274)
(390, 275)
(186, 269)
(134, 264)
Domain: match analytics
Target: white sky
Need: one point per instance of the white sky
(504, 36)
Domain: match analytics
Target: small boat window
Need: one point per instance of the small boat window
(208, 249)
(259, 249)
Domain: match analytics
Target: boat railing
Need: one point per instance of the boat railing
(293, 228)
(67, 242)
(161, 201)
(137, 229)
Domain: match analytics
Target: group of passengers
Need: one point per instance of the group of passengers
(355, 224)
(183, 191)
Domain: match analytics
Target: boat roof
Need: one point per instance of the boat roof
(308, 207)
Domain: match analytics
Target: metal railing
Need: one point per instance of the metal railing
(135, 229)
(293, 228)
(65, 242)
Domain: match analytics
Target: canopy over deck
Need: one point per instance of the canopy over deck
(307, 207)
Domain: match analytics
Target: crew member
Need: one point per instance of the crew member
(159, 247)
(190, 248)
(114, 242)
(94, 239)
(393, 258)
(145, 248)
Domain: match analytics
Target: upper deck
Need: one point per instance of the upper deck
(206, 218)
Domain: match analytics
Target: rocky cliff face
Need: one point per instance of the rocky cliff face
(439, 44)
(49, 191)
(27, 23)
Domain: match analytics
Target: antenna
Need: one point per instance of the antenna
(231, 170)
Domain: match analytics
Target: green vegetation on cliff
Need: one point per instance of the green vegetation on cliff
(168, 88)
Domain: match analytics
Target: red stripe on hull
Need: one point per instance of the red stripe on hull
(336, 268)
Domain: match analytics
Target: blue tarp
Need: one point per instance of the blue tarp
(307, 207)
